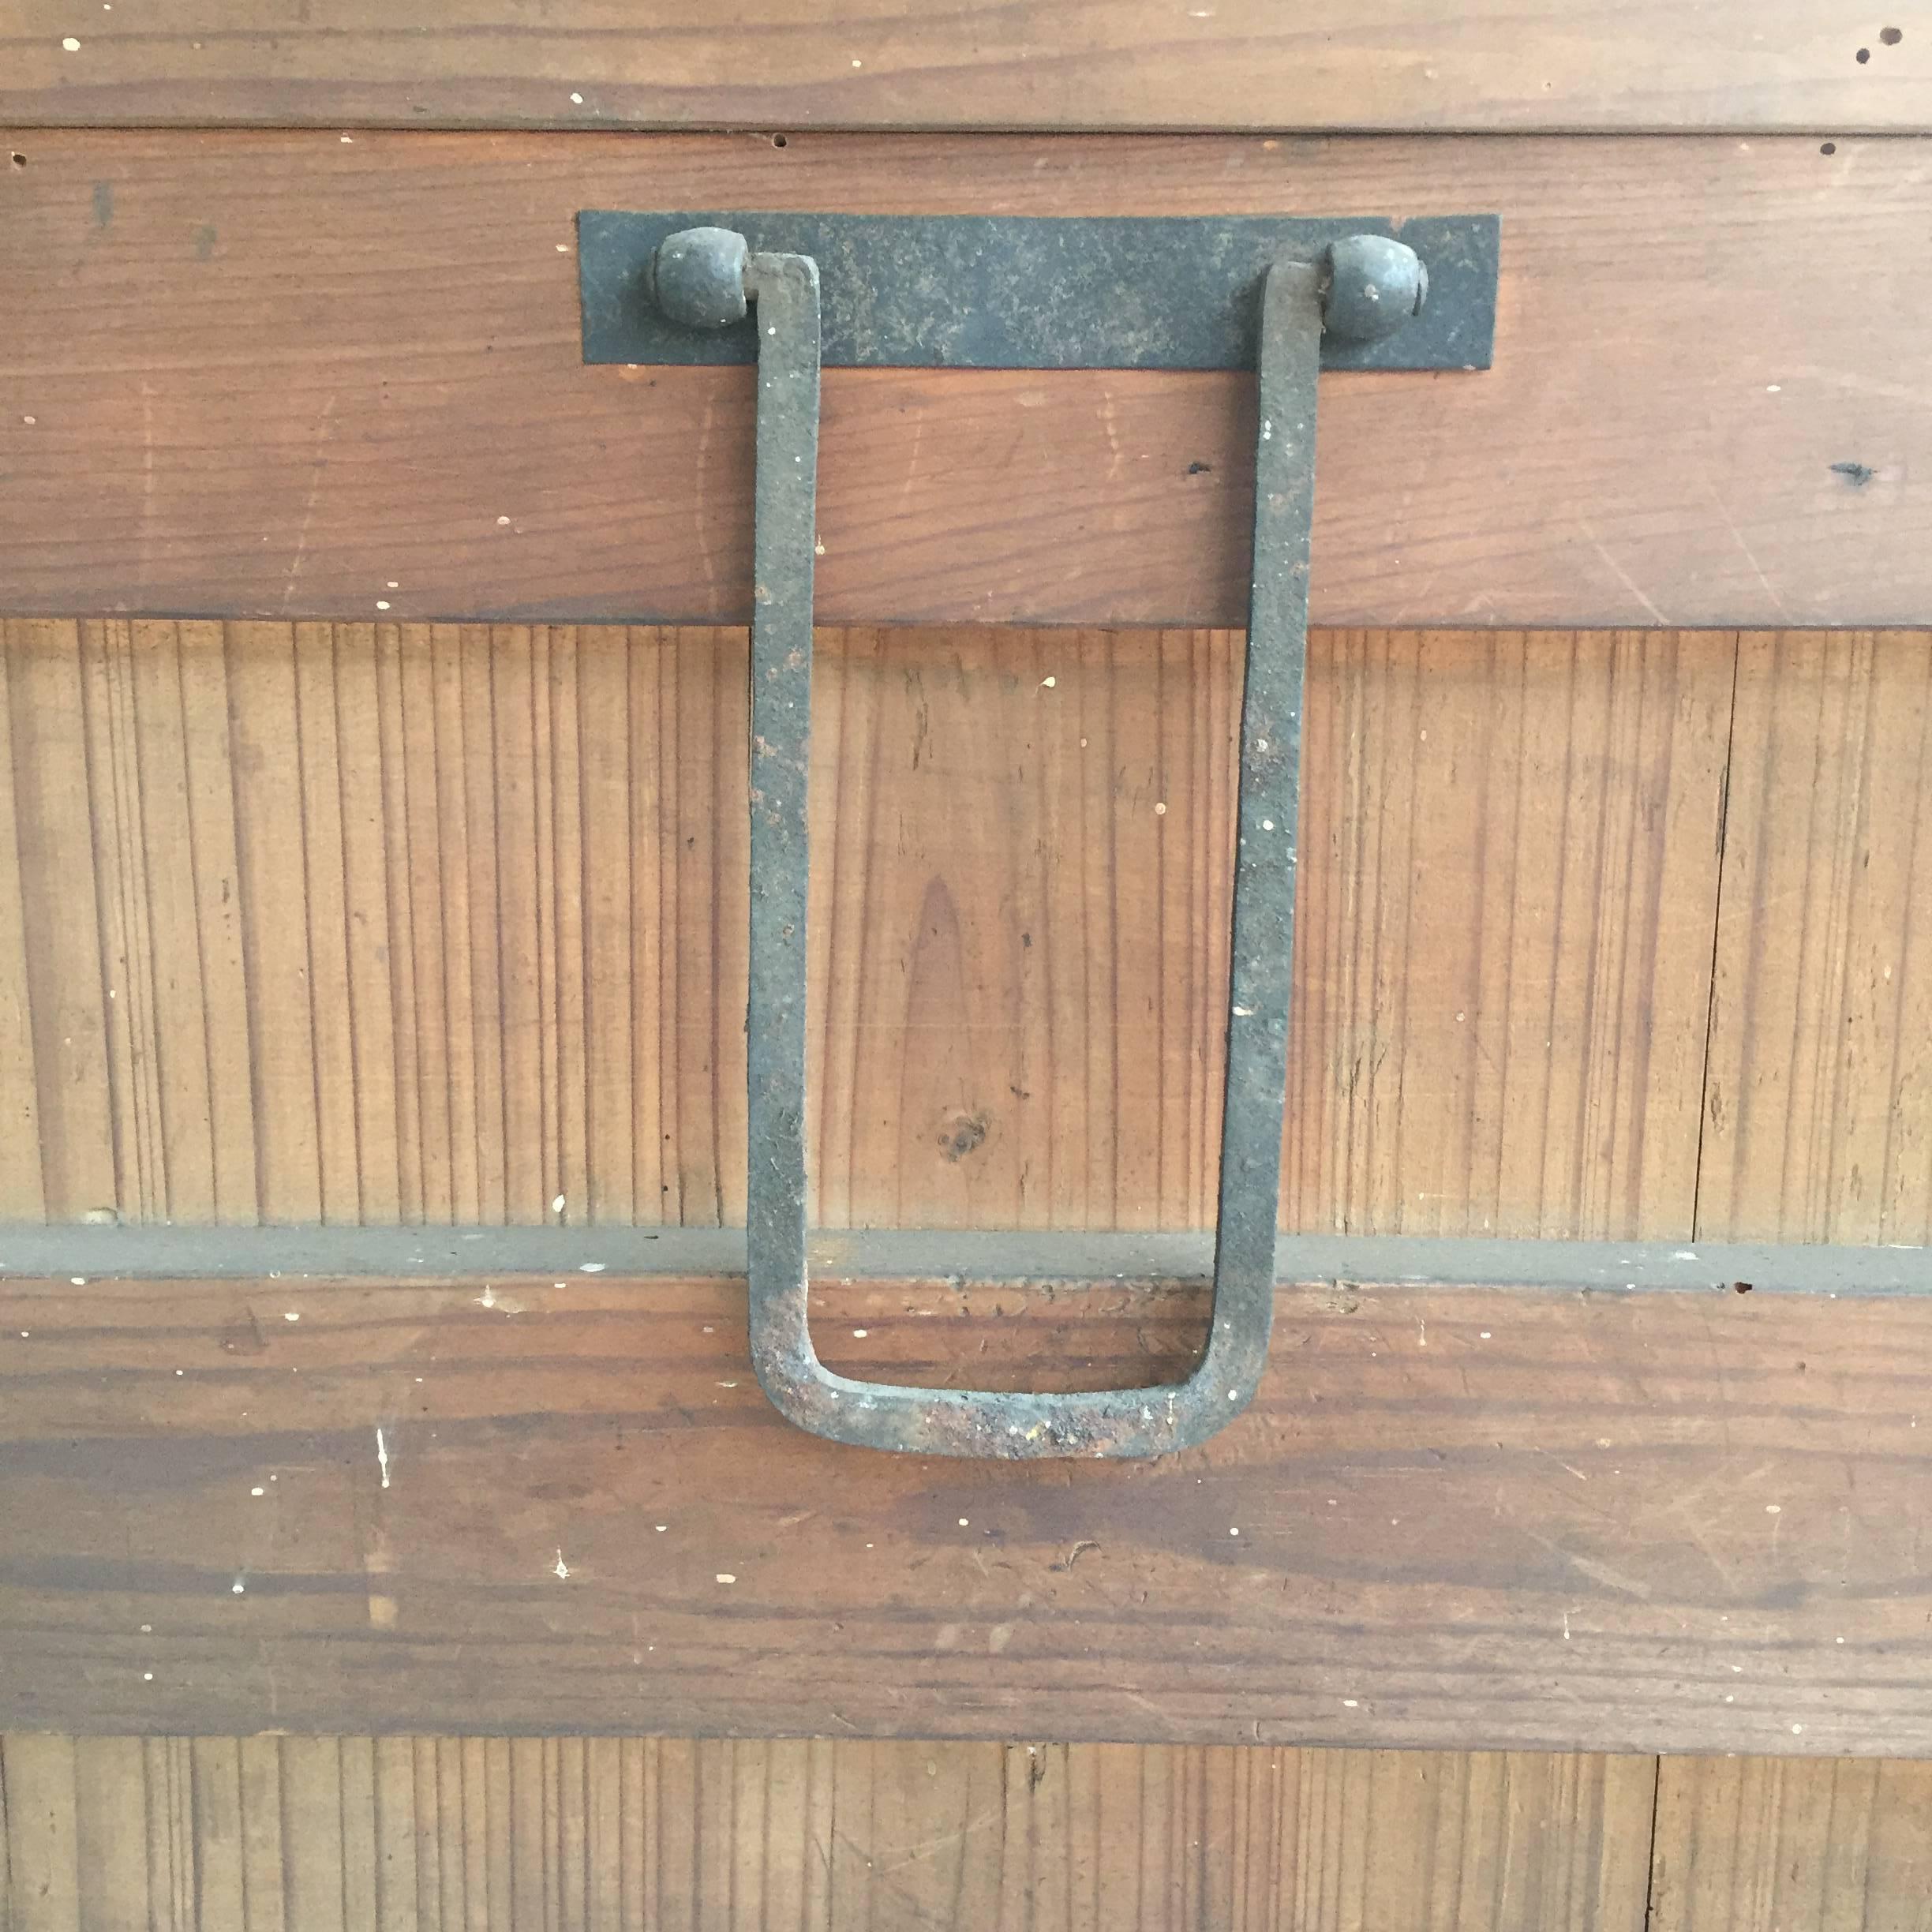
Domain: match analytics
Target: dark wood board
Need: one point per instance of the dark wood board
(1045, 64)
(1466, 1519)
(290, 374)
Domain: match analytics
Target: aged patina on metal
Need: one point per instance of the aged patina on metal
(1361, 290)
(1006, 292)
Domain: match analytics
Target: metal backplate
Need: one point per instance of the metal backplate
(960, 291)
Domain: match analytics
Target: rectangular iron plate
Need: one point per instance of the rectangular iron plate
(1015, 292)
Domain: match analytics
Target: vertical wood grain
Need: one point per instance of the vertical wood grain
(1507, 891)
(1805, 1845)
(359, 921)
(1818, 1126)
(664, 1835)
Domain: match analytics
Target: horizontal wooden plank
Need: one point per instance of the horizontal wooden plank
(397, 923)
(1047, 64)
(1513, 1519)
(330, 374)
(682, 1834)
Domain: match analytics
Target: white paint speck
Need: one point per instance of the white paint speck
(859, 1335)
(258, 1490)
(382, 1457)
(147, 1676)
(77, 1281)
(563, 248)
(1160, 810)
(591, 1267)
(560, 1569)
(1233, 1531)
(556, 1206)
(1774, 1509)
(238, 1588)
(348, 140)
(502, 522)
(1351, 1703)
(1482, 1334)
(392, 585)
(1268, 433)
(71, 44)
(1267, 825)
(963, 1521)
(857, 63)
(725, 1576)
(1797, 1730)
(1774, 389)
(147, 1630)
(30, 420)
(382, 603)
(576, 100)
(488, 1298)
(1047, 683)
(291, 1315)
(660, 1528)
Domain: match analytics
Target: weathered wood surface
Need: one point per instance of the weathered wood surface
(1520, 1519)
(667, 1836)
(1818, 1126)
(290, 374)
(1742, 1843)
(1496, 1518)
(1048, 64)
(385, 922)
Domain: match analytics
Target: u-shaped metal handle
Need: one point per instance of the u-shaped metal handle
(1365, 286)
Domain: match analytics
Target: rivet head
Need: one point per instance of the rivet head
(697, 277)
(1373, 285)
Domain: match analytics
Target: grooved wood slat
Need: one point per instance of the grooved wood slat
(429, 923)
(1056, 64)
(288, 375)
(1807, 1847)
(662, 1835)
(1818, 1122)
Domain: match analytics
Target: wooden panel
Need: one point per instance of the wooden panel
(397, 922)
(1817, 1847)
(288, 375)
(1457, 1517)
(1074, 64)
(1817, 1128)
(674, 1835)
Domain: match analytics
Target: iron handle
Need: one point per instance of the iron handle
(1364, 287)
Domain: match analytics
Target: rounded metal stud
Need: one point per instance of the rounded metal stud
(697, 277)
(1373, 286)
